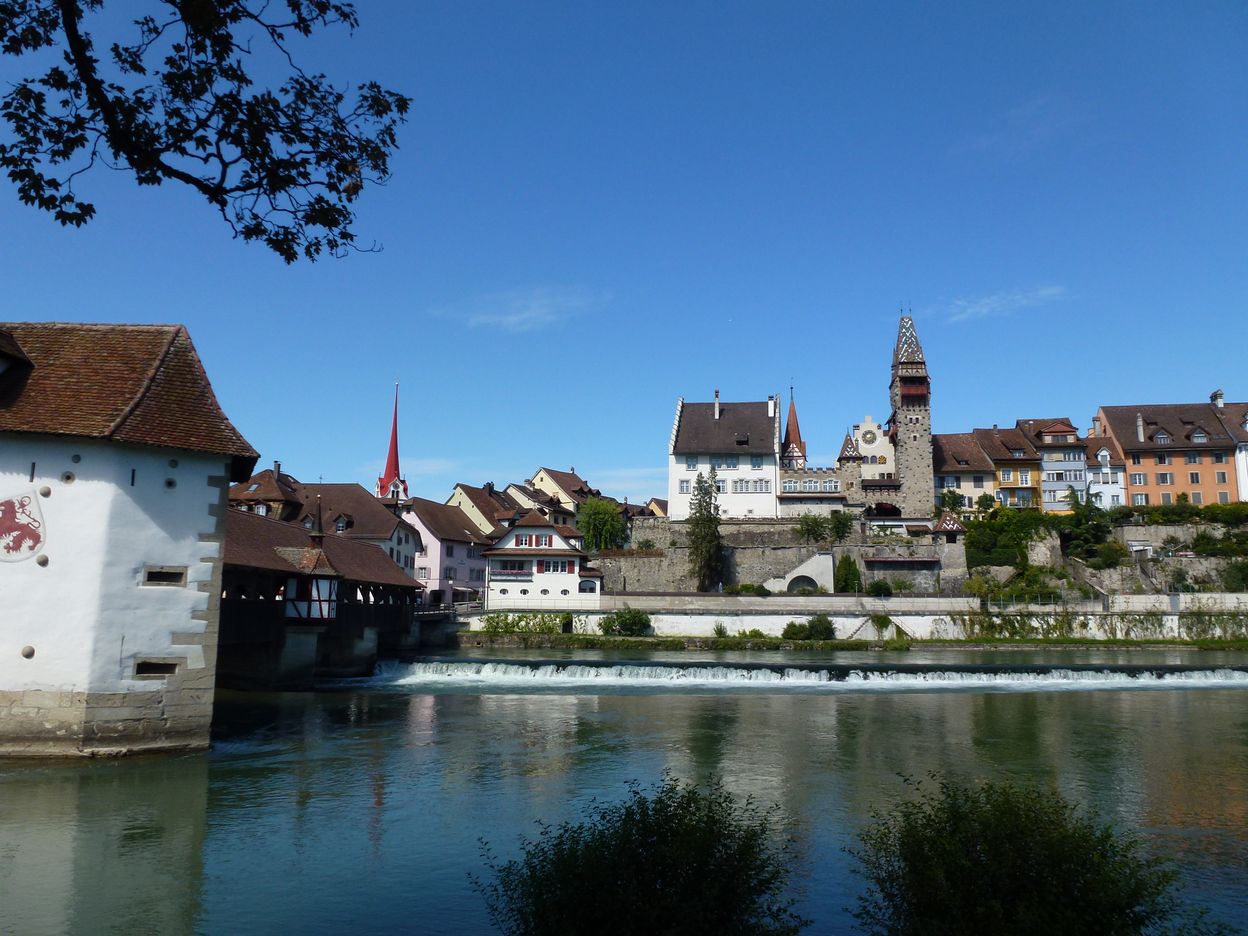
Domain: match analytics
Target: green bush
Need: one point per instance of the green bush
(1235, 576)
(880, 589)
(627, 622)
(1108, 555)
(675, 860)
(820, 627)
(752, 634)
(762, 591)
(796, 630)
(531, 622)
(646, 543)
(996, 858)
(720, 629)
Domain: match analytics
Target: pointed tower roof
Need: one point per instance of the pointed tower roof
(390, 477)
(849, 449)
(793, 432)
(908, 350)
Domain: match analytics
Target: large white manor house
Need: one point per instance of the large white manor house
(884, 470)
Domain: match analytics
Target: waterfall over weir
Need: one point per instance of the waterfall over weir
(603, 676)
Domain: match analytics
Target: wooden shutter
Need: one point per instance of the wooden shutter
(541, 565)
(572, 566)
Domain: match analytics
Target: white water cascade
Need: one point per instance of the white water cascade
(702, 677)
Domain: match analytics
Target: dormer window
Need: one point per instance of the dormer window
(307, 522)
(1198, 436)
(340, 525)
(1017, 453)
(1162, 438)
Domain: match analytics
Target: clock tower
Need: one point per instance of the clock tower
(910, 425)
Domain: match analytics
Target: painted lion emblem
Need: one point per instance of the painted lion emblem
(21, 528)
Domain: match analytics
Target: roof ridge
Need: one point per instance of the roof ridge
(148, 380)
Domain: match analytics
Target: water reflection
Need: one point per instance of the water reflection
(362, 810)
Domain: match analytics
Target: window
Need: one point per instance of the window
(450, 574)
(1162, 438)
(1193, 477)
(545, 591)
(1163, 459)
(724, 462)
(307, 523)
(1197, 498)
(1115, 500)
(553, 565)
(762, 486)
(691, 463)
(1166, 498)
(450, 550)
(1165, 477)
(262, 509)
(1219, 458)
(340, 526)
(740, 486)
(1007, 474)
(512, 566)
(789, 486)
(1223, 497)
(1220, 477)
(155, 668)
(1138, 479)
(1192, 458)
(422, 572)
(1199, 437)
(1024, 477)
(684, 487)
(831, 486)
(756, 461)
(502, 591)
(977, 481)
(1139, 500)
(1135, 459)
(810, 484)
(587, 587)
(523, 539)
(543, 539)
(721, 486)
(172, 576)
(1017, 453)
(476, 575)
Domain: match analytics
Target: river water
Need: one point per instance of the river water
(362, 808)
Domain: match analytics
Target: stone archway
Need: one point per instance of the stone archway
(801, 581)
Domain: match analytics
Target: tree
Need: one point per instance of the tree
(950, 500)
(846, 577)
(601, 523)
(706, 549)
(996, 858)
(985, 502)
(839, 526)
(812, 528)
(176, 101)
(677, 860)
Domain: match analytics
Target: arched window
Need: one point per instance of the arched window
(502, 591)
(588, 587)
(874, 460)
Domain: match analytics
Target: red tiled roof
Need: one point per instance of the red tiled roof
(444, 521)
(742, 428)
(958, 451)
(572, 484)
(256, 542)
(269, 486)
(493, 503)
(141, 384)
(369, 517)
(999, 443)
(1178, 420)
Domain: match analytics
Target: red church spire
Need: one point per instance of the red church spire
(390, 484)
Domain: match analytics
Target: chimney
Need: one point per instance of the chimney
(717, 402)
(771, 406)
(1139, 427)
(994, 428)
(277, 467)
(1216, 398)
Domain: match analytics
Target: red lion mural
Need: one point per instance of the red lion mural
(19, 527)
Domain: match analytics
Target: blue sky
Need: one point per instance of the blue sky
(597, 208)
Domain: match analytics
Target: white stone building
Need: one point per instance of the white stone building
(115, 460)
(540, 566)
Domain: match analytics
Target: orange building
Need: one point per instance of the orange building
(1175, 448)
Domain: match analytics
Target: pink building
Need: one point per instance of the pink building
(450, 565)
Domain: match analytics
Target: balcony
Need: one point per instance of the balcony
(512, 575)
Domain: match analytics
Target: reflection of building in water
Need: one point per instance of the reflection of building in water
(106, 848)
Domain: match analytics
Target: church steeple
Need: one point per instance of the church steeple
(390, 484)
(793, 449)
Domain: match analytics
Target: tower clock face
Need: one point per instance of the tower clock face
(869, 437)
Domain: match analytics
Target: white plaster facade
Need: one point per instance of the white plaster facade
(120, 583)
(534, 567)
(878, 457)
(1105, 478)
(747, 482)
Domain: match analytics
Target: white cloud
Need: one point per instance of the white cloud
(524, 310)
(999, 304)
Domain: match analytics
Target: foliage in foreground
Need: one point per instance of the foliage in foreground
(531, 622)
(627, 622)
(674, 860)
(997, 858)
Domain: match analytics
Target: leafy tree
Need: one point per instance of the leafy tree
(821, 627)
(950, 500)
(839, 526)
(1235, 576)
(985, 502)
(996, 858)
(627, 622)
(846, 577)
(812, 528)
(176, 101)
(879, 588)
(706, 548)
(676, 860)
(601, 523)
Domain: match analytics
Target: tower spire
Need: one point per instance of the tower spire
(391, 484)
(793, 449)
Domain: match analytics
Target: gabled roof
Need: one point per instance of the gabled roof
(792, 431)
(1096, 443)
(1037, 429)
(849, 449)
(948, 523)
(445, 522)
(533, 518)
(958, 451)
(269, 485)
(998, 444)
(572, 484)
(658, 503)
(495, 505)
(1177, 420)
(139, 384)
(742, 428)
(369, 517)
(538, 497)
(256, 542)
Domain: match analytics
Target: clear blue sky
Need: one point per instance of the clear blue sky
(597, 208)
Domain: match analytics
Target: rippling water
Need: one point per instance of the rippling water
(361, 809)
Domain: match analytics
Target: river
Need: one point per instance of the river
(362, 808)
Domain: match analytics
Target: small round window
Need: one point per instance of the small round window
(524, 591)
(545, 591)
(564, 592)
(502, 591)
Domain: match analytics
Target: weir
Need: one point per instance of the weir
(711, 676)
